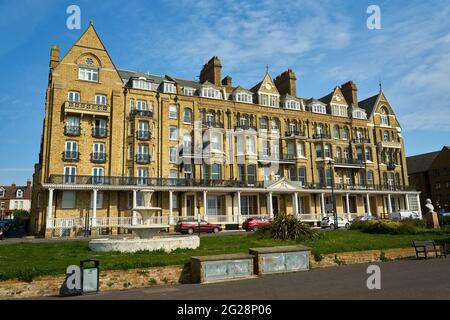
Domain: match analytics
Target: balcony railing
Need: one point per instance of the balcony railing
(245, 127)
(391, 166)
(141, 113)
(86, 107)
(72, 130)
(294, 133)
(180, 182)
(98, 132)
(143, 158)
(319, 136)
(361, 140)
(390, 144)
(143, 134)
(348, 162)
(71, 155)
(288, 156)
(98, 157)
(212, 124)
(146, 181)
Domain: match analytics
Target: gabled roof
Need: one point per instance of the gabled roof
(327, 99)
(369, 104)
(259, 86)
(239, 88)
(11, 191)
(127, 74)
(421, 162)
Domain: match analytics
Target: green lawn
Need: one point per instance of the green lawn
(28, 260)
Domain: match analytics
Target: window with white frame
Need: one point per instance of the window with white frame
(142, 175)
(274, 125)
(327, 150)
(187, 118)
(172, 155)
(292, 104)
(216, 171)
(359, 114)
(214, 205)
(173, 133)
(2, 192)
(188, 91)
(141, 105)
(187, 168)
(173, 173)
(142, 84)
(273, 100)
(100, 99)
(263, 123)
(344, 133)
(251, 144)
(130, 151)
(368, 154)
(266, 173)
(264, 99)
(338, 110)
(216, 144)
(68, 200)
(249, 205)
(243, 97)
(211, 93)
(384, 117)
(300, 149)
(169, 87)
(70, 174)
(173, 111)
(73, 96)
(19, 193)
(98, 174)
(318, 108)
(88, 74)
(99, 202)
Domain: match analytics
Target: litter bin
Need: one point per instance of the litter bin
(89, 275)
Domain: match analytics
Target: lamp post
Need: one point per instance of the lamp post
(330, 164)
(198, 214)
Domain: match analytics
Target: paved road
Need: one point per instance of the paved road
(406, 279)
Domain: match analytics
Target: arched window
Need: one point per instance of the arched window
(370, 178)
(319, 129)
(336, 132)
(384, 116)
(344, 133)
(263, 123)
(338, 152)
(327, 150)
(275, 125)
(187, 117)
(318, 151)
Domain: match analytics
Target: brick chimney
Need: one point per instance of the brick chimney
(350, 93)
(227, 81)
(212, 71)
(286, 83)
(54, 56)
(28, 183)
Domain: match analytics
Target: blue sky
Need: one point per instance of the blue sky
(325, 43)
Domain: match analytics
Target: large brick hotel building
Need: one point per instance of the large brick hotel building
(117, 144)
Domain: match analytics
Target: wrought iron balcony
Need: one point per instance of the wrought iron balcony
(320, 136)
(360, 140)
(147, 181)
(245, 127)
(141, 113)
(348, 162)
(391, 166)
(212, 124)
(143, 158)
(71, 155)
(389, 144)
(143, 134)
(294, 133)
(98, 157)
(72, 130)
(368, 187)
(98, 132)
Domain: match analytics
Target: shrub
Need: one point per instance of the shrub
(318, 257)
(21, 217)
(407, 226)
(288, 227)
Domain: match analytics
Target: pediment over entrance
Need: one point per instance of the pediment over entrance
(283, 184)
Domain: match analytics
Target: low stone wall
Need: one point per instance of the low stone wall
(146, 277)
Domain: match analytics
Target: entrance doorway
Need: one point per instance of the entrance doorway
(190, 206)
(275, 204)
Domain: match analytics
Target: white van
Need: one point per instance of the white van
(401, 215)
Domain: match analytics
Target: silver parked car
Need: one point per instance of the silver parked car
(328, 222)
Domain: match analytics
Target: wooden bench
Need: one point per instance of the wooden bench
(423, 247)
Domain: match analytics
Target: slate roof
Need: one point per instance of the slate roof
(10, 192)
(421, 162)
(368, 104)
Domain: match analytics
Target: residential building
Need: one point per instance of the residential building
(15, 197)
(118, 144)
(430, 172)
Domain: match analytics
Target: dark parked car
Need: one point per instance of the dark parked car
(255, 223)
(191, 226)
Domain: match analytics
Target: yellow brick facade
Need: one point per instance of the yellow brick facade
(359, 151)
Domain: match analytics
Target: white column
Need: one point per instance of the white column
(239, 205)
(295, 203)
(94, 207)
(419, 206)
(170, 207)
(205, 206)
(406, 202)
(347, 202)
(369, 212)
(322, 203)
(134, 218)
(389, 204)
(50, 209)
(270, 204)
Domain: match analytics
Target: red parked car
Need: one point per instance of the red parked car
(191, 226)
(255, 223)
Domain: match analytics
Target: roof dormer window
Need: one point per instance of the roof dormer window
(169, 87)
(243, 97)
(188, 91)
(292, 104)
(318, 108)
(19, 193)
(211, 93)
(2, 192)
